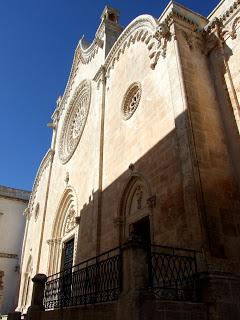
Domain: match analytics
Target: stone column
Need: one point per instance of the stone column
(34, 311)
(135, 280)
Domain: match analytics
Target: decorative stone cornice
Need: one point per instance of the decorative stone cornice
(175, 15)
(226, 16)
(140, 29)
(43, 166)
(8, 255)
(155, 34)
(16, 194)
(225, 26)
(88, 52)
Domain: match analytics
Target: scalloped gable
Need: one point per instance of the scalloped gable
(105, 37)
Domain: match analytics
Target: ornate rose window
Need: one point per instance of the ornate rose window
(131, 100)
(74, 121)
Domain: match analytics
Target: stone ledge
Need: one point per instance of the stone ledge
(8, 255)
(16, 194)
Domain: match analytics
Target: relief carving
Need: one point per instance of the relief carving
(139, 196)
(70, 221)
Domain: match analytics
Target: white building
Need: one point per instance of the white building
(12, 223)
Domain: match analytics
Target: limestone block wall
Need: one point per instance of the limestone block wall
(149, 141)
(176, 138)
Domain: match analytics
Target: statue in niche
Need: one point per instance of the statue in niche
(139, 196)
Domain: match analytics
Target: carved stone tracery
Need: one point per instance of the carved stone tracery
(70, 223)
(131, 100)
(74, 121)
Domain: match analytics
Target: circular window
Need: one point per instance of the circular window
(74, 121)
(131, 100)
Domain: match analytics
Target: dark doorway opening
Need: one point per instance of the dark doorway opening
(141, 229)
(68, 254)
(65, 281)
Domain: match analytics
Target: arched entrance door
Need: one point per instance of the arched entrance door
(64, 232)
(136, 212)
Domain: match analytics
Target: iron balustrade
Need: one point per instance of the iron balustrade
(173, 273)
(92, 281)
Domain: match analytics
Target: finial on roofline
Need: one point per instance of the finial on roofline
(110, 14)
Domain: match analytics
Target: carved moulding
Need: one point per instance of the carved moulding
(43, 166)
(74, 121)
(84, 54)
(155, 34)
(142, 29)
(36, 213)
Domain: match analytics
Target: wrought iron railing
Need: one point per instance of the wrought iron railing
(173, 274)
(92, 281)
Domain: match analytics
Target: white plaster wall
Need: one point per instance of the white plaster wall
(12, 223)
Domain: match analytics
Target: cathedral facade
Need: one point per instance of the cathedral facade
(141, 182)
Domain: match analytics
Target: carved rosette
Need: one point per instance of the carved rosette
(75, 120)
(131, 100)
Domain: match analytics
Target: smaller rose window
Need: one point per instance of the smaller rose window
(131, 100)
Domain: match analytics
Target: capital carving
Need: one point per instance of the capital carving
(51, 242)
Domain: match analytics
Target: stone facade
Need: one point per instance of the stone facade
(13, 202)
(146, 130)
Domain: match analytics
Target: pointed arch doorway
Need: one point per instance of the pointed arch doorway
(62, 245)
(136, 211)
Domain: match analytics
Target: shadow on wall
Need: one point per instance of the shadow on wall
(185, 194)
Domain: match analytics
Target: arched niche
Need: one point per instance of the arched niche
(135, 207)
(27, 283)
(64, 229)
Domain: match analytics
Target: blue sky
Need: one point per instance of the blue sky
(38, 39)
